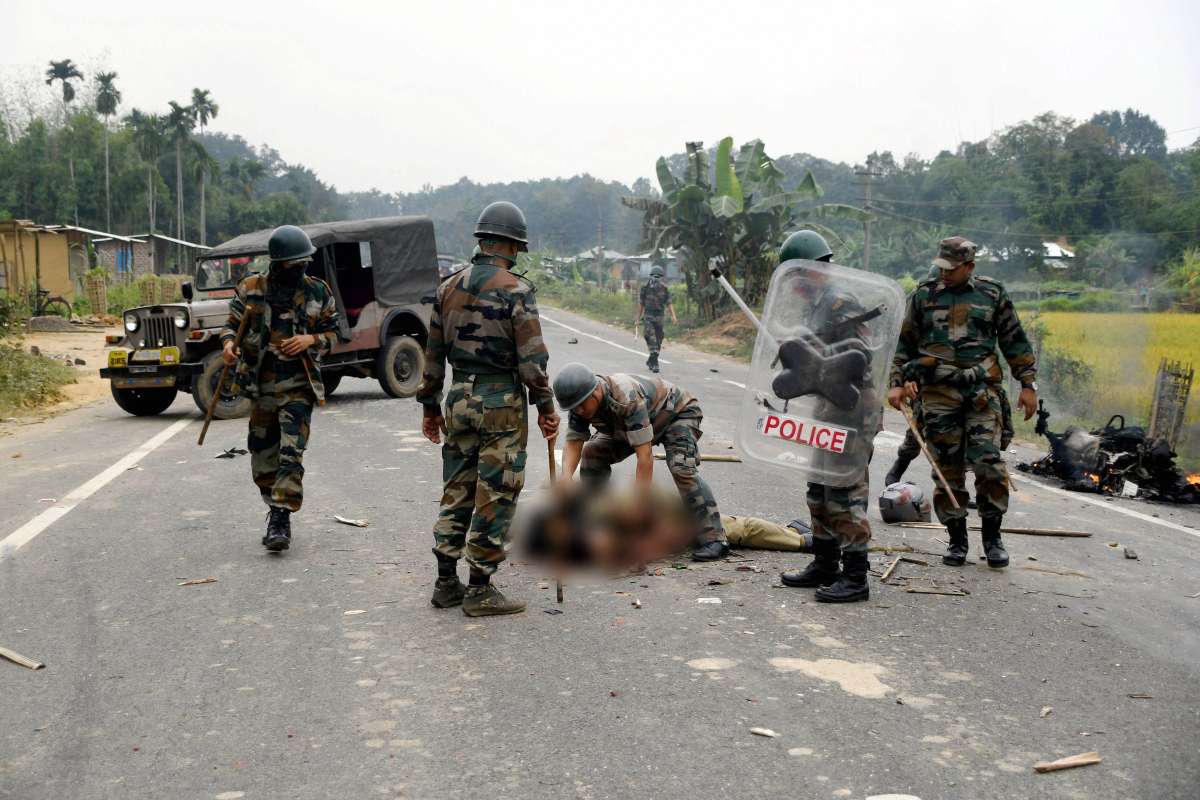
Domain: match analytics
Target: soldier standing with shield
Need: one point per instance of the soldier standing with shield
(653, 302)
(485, 323)
(293, 323)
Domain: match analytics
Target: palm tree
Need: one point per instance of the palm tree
(65, 71)
(180, 123)
(243, 172)
(204, 109)
(108, 97)
(202, 164)
(149, 133)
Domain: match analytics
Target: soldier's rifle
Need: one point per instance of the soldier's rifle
(237, 346)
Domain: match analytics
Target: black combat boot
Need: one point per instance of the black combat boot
(896, 473)
(279, 530)
(711, 551)
(448, 590)
(852, 586)
(956, 553)
(652, 362)
(993, 547)
(821, 571)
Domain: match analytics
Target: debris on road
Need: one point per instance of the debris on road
(927, 590)
(1019, 531)
(198, 581)
(636, 603)
(354, 612)
(767, 732)
(1055, 571)
(551, 611)
(1070, 762)
(712, 601)
(887, 573)
(20, 660)
(1046, 711)
(358, 523)
(1140, 696)
(572, 340)
(1130, 553)
(232, 452)
(719, 582)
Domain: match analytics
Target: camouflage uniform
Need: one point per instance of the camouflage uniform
(948, 345)
(283, 388)
(635, 411)
(485, 323)
(840, 512)
(654, 297)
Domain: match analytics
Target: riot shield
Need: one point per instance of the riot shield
(819, 376)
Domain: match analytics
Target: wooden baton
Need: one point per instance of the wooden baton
(237, 345)
(912, 426)
(558, 584)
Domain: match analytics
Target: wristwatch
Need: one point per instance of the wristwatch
(1031, 385)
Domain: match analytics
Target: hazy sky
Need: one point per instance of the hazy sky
(397, 94)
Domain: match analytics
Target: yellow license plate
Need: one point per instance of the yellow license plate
(118, 358)
(162, 355)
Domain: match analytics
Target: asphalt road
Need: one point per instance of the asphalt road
(326, 674)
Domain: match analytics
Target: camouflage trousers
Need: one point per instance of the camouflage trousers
(652, 332)
(909, 449)
(964, 429)
(683, 461)
(840, 512)
(279, 427)
(483, 469)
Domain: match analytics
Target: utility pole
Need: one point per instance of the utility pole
(867, 176)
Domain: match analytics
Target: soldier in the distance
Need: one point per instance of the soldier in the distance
(947, 357)
(654, 301)
(293, 323)
(485, 323)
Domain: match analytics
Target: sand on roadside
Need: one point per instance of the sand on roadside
(87, 345)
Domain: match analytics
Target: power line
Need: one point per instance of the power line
(1039, 236)
(1012, 203)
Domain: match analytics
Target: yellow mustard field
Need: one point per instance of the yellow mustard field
(1124, 351)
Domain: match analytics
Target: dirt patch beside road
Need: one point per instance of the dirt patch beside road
(86, 345)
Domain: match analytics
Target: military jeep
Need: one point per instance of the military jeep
(383, 273)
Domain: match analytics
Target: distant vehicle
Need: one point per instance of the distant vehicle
(383, 272)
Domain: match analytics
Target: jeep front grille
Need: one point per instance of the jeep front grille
(157, 331)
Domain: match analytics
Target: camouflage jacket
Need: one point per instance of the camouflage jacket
(655, 297)
(951, 330)
(313, 310)
(485, 321)
(636, 410)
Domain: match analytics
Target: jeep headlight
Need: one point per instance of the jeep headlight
(131, 322)
(181, 318)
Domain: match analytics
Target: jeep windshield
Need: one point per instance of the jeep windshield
(224, 273)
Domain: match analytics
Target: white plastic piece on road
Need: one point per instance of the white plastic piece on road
(735, 383)
(601, 339)
(26, 533)
(711, 601)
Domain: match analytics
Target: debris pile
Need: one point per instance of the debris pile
(1117, 459)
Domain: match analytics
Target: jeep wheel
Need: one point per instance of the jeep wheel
(204, 384)
(144, 402)
(399, 366)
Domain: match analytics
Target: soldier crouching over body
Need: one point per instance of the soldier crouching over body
(631, 414)
(485, 322)
(293, 323)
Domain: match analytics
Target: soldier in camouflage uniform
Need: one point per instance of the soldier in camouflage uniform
(840, 529)
(293, 323)
(485, 323)
(653, 303)
(631, 414)
(947, 354)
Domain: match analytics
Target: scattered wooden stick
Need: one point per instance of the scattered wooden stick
(20, 660)
(1070, 762)
(1020, 531)
(1054, 571)
(916, 561)
(887, 573)
(925, 590)
(198, 581)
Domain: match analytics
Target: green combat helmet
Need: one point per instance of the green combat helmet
(574, 384)
(289, 243)
(807, 245)
(657, 272)
(503, 220)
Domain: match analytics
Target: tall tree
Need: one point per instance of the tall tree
(108, 97)
(149, 135)
(202, 164)
(180, 122)
(203, 109)
(64, 72)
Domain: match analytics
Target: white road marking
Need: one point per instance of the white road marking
(1084, 498)
(24, 534)
(601, 339)
(887, 437)
(734, 383)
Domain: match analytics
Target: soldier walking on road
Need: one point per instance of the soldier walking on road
(654, 301)
(841, 531)
(485, 323)
(293, 323)
(947, 357)
(631, 414)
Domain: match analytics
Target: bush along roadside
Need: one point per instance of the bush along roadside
(27, 381)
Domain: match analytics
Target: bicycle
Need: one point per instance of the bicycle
(45, 304)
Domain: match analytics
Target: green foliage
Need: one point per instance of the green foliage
(28, 381)
(1184, 279)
